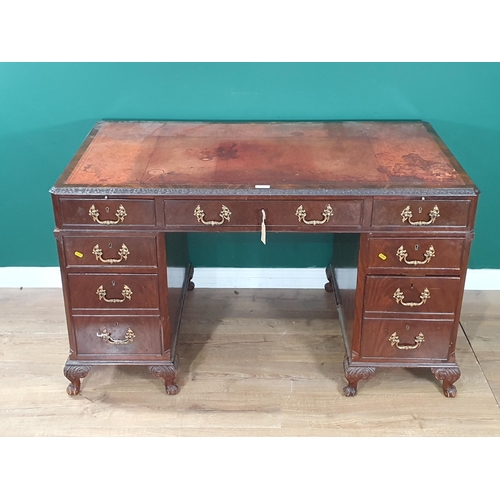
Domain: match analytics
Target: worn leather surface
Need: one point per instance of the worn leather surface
(279, 154)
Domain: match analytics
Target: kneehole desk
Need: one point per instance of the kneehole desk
(127, 200)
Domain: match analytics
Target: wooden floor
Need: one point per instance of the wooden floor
(252, 363)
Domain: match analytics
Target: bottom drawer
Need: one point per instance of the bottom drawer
(406, 340)
(118, 336)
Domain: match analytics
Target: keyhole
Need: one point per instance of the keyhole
(111, 245)
(107, 210)
(416, 247)
(407, 326)
(114, 283)
(411, 286)
(116, 324)
(419, 210)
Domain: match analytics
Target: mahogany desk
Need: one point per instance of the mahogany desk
(124, 205)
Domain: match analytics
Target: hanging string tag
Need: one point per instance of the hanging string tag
(263, 228)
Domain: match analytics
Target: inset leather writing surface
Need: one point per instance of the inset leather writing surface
(279, 154)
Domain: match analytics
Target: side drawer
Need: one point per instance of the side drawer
(412, 295)
(420, 213)
(109, 250)
(406, 340)
(107, 213)
(117, 336)
(322, 215)
(422, 254)
(113, 291)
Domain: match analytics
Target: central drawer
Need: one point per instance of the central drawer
(113, 291)
(220, 215)
(411, 295)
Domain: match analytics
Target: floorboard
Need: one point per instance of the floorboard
(252, 363)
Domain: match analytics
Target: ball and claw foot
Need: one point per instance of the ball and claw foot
(74, 373)
(172, 390)
(450, 392)
(448, 376)
(72, 389)
(329, 284)
(350, 391)
(190, 285)
(168, 374)
(353, 375)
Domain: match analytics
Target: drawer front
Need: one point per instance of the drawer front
(420, 214)
(117, 336)
(113, 291)
(295, 215)
(406, 339)
(107, 214)
(110, 251)
(411, 295)
(422, 254)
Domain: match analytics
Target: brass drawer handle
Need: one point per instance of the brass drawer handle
(129, 337)
(301, 215)
(407, 214)
(120, 214)
(394, 340)
(402, 254)
(123, 253)
(225, 214)
(126, 292)
(399, 296)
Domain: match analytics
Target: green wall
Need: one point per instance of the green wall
(47, 109)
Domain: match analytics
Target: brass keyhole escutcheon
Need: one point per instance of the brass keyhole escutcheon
(107, 210)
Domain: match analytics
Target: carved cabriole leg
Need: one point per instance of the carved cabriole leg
(168, 374)
(74, 373)
(353, 375)
(329, 285)
(448, 375)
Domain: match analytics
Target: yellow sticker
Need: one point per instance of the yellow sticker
(382, 256)
(79, 254)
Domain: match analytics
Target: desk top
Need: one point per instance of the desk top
(142, 157)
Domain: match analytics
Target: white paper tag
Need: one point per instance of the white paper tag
(263, 228)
